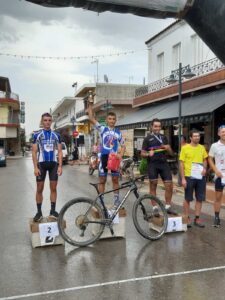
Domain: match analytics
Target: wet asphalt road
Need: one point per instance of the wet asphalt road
(131, 268)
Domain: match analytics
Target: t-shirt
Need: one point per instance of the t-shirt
(111, 139)
(217, 151)
(190, 154)
(155, 142)
(47, 142)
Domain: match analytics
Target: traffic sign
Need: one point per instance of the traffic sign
(75, 133)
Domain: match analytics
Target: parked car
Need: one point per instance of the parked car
(2, 158)
(64, 152)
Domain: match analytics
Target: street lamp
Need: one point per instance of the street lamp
(73, 120)
(186, 73)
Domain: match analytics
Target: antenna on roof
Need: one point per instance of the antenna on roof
(106, 79)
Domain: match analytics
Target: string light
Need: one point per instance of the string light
(70, 57)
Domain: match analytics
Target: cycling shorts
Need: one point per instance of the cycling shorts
(161, 168)
(103, 171)
(48, 166)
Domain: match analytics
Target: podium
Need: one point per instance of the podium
(119, 225)
(45, 233)
(175, 223)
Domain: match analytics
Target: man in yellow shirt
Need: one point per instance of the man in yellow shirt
(193, 166)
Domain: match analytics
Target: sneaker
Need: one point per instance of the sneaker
(198, 223)
(189, 225)
(38, 217)
(54, 214)
(171, 211)
(216, 222)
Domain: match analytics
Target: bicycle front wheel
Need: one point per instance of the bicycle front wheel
(150, 217)
(80, 223)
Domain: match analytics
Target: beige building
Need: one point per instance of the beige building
(107, 97)
(9, 118)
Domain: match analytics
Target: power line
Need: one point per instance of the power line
(22, 56)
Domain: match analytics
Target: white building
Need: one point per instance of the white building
(65, 121)
(202, 105)
(176, 43)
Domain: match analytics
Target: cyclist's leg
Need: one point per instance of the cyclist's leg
(40, 183)
(166, 176)
(102, 172)
(115, 183)
(188, 197)
(153, 179)
(53, 181)
(39, 192)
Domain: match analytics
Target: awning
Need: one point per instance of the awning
(196, 105)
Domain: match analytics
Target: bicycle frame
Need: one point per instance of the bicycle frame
(132, 188)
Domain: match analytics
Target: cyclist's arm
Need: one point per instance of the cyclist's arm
(213, 167)
(123, 149)
(34, 158)
(90, 114)
(168, 149)
(60, 154)
(144, 152)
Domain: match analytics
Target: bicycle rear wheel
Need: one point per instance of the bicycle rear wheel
(83, 222)
(150, 217)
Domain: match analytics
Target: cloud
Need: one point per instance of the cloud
(29, 29)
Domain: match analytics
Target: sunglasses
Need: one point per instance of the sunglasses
(222, 126)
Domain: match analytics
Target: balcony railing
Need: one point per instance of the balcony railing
(200, 69)
(8, 95)
(10, 119)
(81, 113)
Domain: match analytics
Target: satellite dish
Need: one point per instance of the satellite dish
(106, 79)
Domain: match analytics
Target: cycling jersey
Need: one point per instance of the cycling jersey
(111, 138)
(47, 142)
(153, 142)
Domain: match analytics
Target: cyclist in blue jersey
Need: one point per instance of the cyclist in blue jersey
(45, 143)
(111, 140)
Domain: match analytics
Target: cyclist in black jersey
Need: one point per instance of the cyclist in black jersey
(45, 143)
(155, 147)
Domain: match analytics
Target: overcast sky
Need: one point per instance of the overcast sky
(28, 29)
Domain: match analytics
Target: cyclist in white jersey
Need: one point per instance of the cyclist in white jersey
(45, 143)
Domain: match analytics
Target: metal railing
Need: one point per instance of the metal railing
(81, 113)
(200, 69)
(10, 119)
(8, 95)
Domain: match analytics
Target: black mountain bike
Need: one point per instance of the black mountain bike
(86, 218)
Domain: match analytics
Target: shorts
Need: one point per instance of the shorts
(159, 168)
(102, 170)
(195, 185)
(51, 167)
(218, 185)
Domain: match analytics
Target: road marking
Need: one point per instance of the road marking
(114, 283)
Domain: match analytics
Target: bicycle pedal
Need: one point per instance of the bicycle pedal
(111, 230)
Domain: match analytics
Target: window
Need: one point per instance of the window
(160, 65)
(197, 49)
(176, 56)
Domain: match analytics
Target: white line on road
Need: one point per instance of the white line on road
(114, 283)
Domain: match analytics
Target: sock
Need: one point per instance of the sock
(39, 207)
(217, 214)
(116, 199)
(52, 206)
(167, 206)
